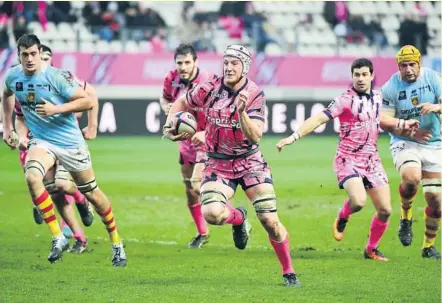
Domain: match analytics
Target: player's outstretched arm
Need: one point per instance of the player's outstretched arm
(9, 137)
(404, 128)
(397, 126)
(179, 105)
(306, 128)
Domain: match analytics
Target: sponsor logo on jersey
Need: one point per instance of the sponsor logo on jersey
(402, 95)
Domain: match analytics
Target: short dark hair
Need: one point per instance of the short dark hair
(362, 62)
(27, 41)
(184, 49)
(45, 48)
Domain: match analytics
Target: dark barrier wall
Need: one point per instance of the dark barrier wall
(141, 118)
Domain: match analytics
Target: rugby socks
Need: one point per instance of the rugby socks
(432, 225)
(108, 219)
(197, 215)
(79, 197)
(282, 250)
(235, 217)
(345, 211)
(63, 224)
(80, 235)
(407, 198)
(46, 207)
(377, 229)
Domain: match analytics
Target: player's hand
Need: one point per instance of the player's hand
(168, 132)
(199, 138)
(241, 101)
(47, 109)
(286, 141)
(411, 124)
(23, 143)
(89, 132)
(166, 108)
(11, 138)
(427, 108)
(422, 135)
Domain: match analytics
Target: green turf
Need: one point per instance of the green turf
(141, 177)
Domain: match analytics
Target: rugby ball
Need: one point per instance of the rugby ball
(184, 122)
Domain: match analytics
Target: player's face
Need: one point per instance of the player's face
(185, 65)
(409, 70)
(30, 58)
(232, 70)
(362, 79)
(47, 59)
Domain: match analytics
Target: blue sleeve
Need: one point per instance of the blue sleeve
(64, 83)
(388, 95)
(7, 79)
(435, 80)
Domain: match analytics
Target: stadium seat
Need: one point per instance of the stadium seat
(67, 30)
(102, 47)
(87, 47)
(273, 49)
(131, 47)
(116, 46)
(392, 37)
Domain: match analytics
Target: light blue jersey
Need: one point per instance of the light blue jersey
(57, 87)
(404, 97)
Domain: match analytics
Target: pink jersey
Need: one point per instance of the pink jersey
(359, 116)
(224, 136)
(174, 87)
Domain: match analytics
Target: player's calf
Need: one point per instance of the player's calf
(35, 173)
(432, 191)
(103, 207)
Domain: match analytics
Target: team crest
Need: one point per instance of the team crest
(232, 108)
(414, 101)
(31, 96)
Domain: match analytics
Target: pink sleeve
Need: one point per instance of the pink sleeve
(167, 87)
(199, 95)
(256, 108)
(17, 109)
(336, 107)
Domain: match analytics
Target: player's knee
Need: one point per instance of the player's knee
(214, 213)
(357, 201)
(33, 177)
(410, 182)
(63, 185)
(34, 172)
(213, 206)
(384, 212)
(433, 191)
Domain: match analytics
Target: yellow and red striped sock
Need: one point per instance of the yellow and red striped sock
(46, 207)
(108, 219)
(432, 225)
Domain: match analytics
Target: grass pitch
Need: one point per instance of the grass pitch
(141, 177)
